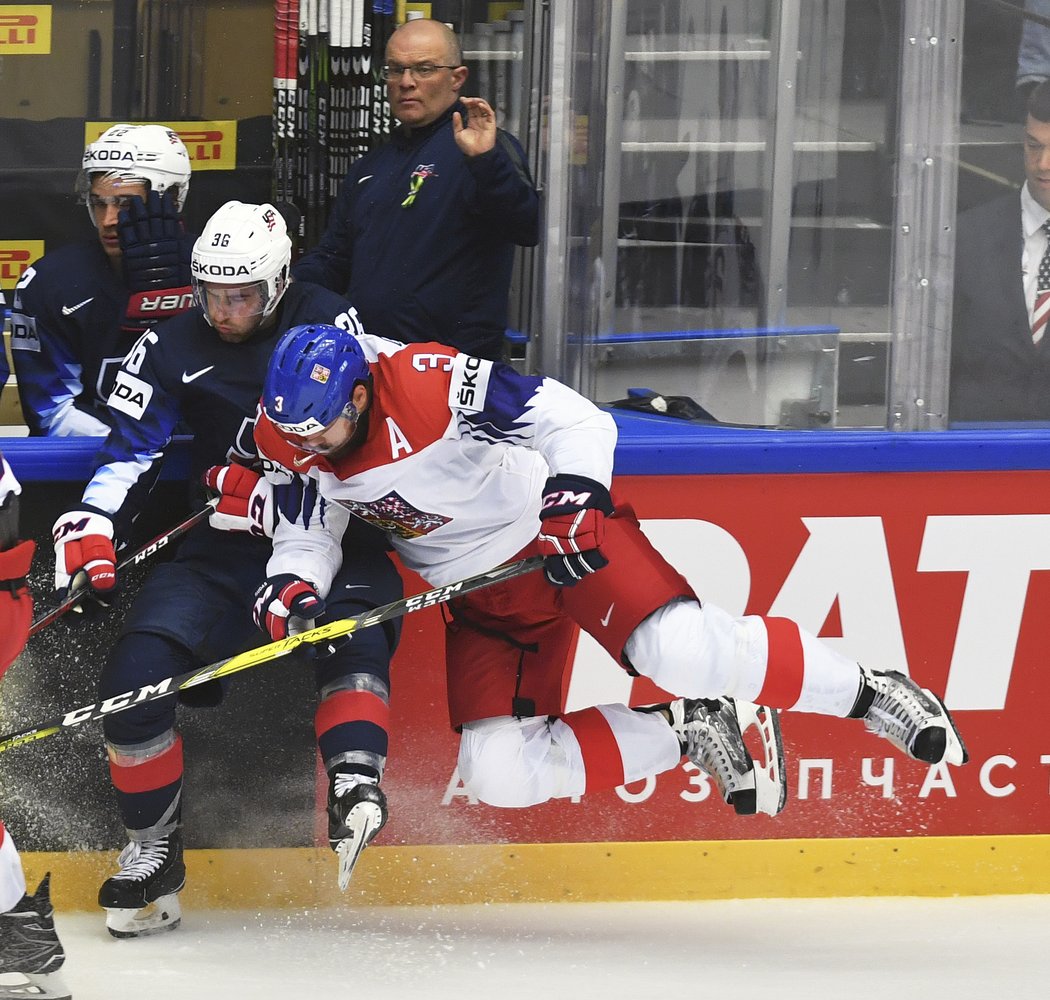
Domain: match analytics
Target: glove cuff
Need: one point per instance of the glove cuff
(566, 492)
(158, 304)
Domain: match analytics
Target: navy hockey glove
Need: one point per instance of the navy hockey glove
(246, 501)
(572, 528)
(286, 605)
(155, 258)
(84, 547)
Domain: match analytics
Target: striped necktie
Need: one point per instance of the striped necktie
(1041, 310)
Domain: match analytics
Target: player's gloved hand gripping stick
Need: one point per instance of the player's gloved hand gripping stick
(154, 545)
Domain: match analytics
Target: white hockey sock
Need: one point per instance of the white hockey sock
(520, 762)
(12, 878)
(704, 652)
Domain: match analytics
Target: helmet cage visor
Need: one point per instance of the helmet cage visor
(246, 300)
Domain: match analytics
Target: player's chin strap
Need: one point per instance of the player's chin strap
(151, 547)
(330, 635)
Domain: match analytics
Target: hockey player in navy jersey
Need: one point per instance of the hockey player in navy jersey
(78, 310)
(205, 369)
(468, 464)
(30, 951)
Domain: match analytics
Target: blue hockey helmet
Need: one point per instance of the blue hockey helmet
(312, 374)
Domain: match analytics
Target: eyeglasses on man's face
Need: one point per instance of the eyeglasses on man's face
(418, 71)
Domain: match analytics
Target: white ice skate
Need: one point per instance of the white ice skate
(714, 735)
(912, 718)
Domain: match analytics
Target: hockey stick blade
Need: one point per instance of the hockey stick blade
(153, 546)
(319, 636)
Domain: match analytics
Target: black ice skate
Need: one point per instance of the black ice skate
(912, 718)
(356, 813)
(142, 898)
(712, 736)
(30, 952)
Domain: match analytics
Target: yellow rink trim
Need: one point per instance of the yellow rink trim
(675, 870)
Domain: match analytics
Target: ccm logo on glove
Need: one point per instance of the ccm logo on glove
(84, 544)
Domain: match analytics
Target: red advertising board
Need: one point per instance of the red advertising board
(943, 574)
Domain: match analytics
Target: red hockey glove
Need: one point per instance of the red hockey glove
(156, 264)
(84, 545)
(572, 529)
(16, 604)
(285, 605)
(246, 501)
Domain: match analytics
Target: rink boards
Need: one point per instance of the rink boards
(927, 553)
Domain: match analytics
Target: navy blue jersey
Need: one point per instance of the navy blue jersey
(421, 238)
(182, 373)
(67, 339)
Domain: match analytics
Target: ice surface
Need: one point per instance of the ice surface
(869, 949)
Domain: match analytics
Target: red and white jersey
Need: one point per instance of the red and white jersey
(452, 468)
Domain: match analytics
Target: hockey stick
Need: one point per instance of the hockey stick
(271, 651)
(151, 547)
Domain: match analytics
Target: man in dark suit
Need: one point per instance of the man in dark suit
(1001, 367)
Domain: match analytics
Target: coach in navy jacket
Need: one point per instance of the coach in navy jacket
(422, 235)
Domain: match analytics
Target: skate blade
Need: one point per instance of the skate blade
(955, 751)
(19, 986)
(770, 785)
(364, 821)
(163, 914)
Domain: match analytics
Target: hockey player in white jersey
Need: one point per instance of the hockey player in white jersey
(467, 464)
(30, 952)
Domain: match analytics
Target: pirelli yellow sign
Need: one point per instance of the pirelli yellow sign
(25, 29)
(211, 145)
(15, 257)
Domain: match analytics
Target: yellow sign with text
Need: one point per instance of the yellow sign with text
(211, 145)
(15, 257)
(25, 29)
(499, 11)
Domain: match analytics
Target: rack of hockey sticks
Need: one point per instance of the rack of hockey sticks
(141, 554)
(324, 639)
(329, 100)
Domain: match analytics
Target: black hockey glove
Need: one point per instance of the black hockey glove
(572, 528)
(156, 260)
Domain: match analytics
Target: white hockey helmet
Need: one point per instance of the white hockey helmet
(149, 154)
(243, 245)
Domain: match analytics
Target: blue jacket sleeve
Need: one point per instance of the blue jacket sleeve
(506, 195)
